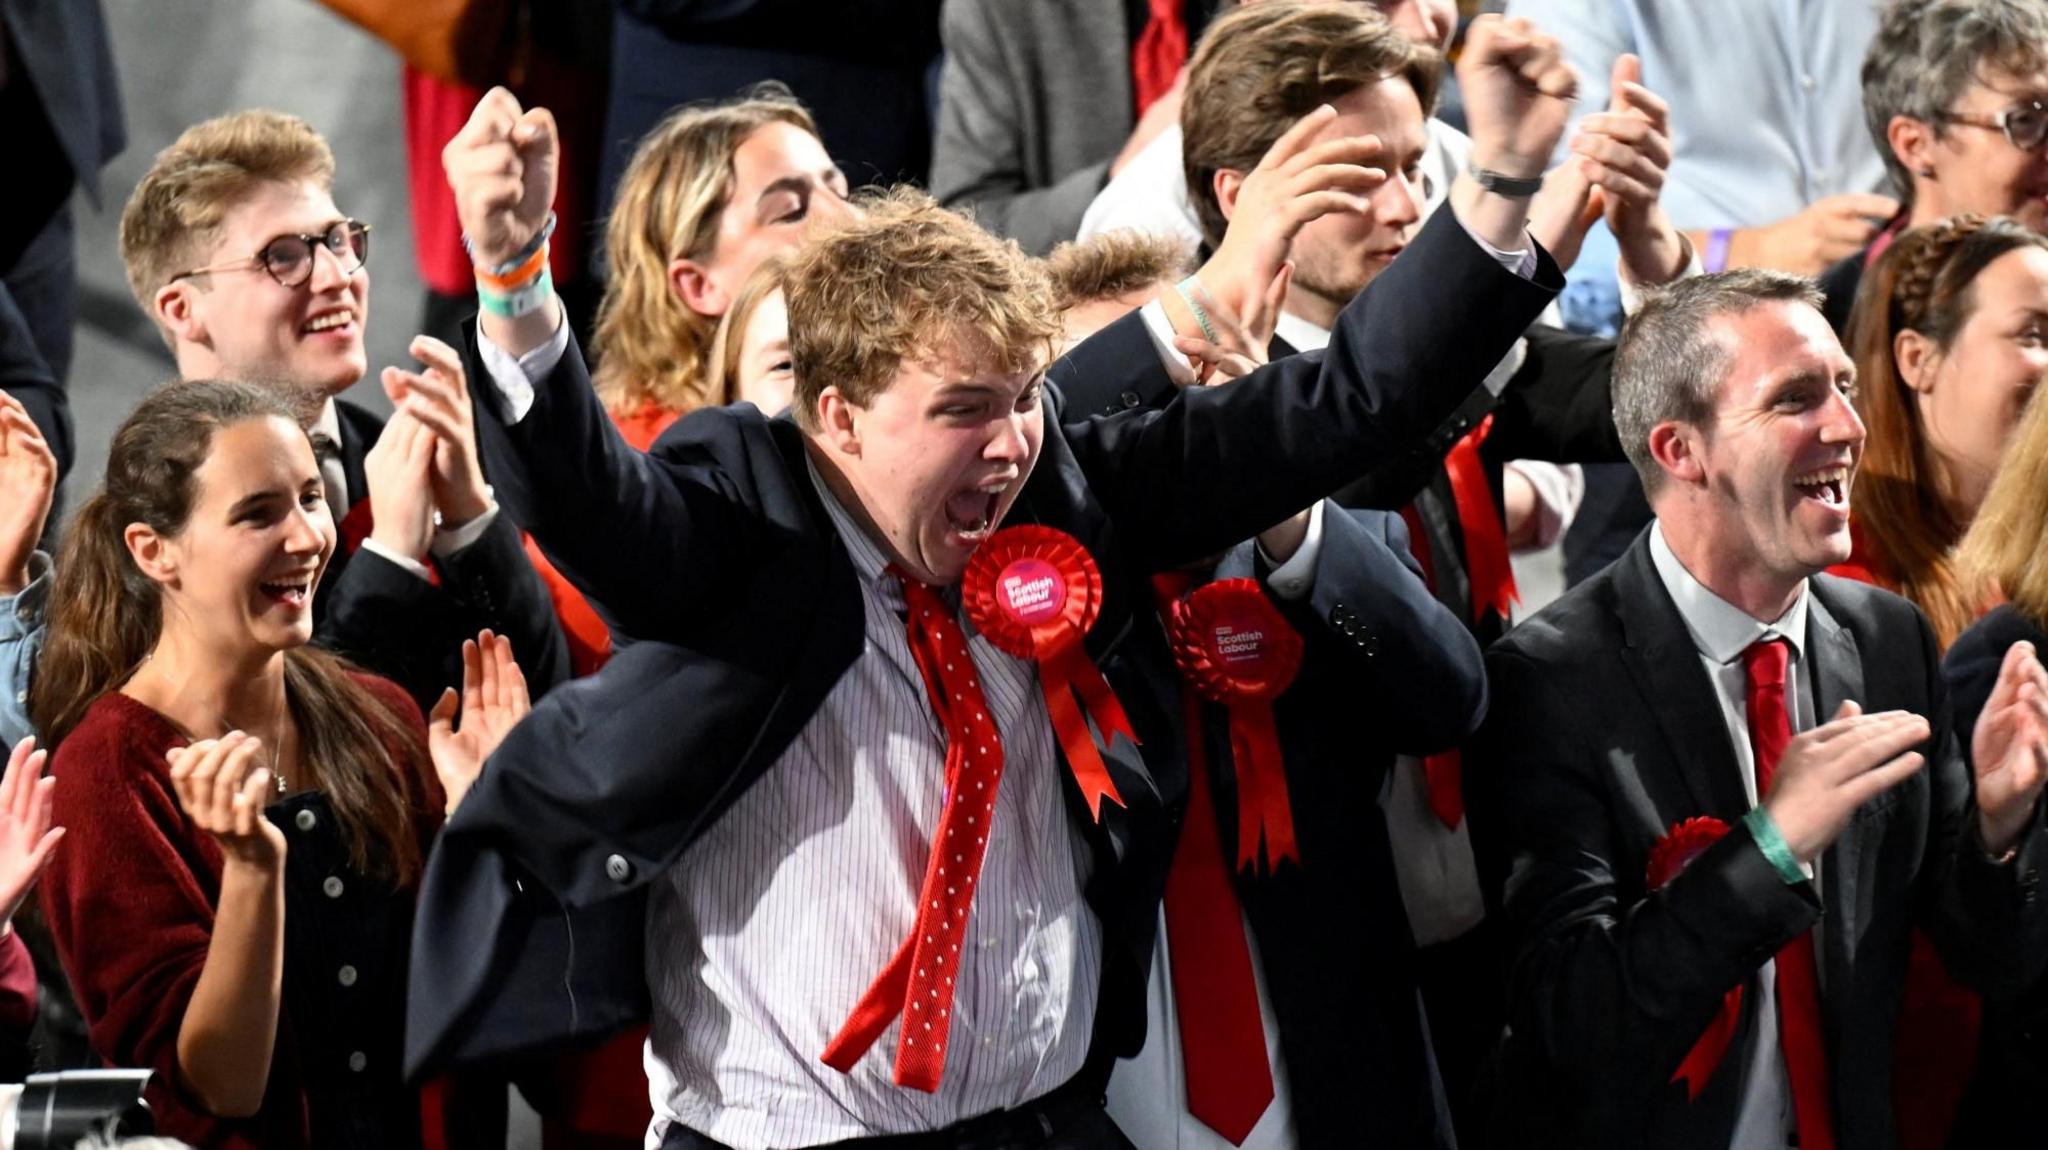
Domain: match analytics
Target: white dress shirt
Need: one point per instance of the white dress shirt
(1721, 632)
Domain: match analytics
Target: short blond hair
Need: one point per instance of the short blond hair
(1114, 264)
(650, 347)
(2005, 551)
(904, 282)
(176, 212)
(732, 329)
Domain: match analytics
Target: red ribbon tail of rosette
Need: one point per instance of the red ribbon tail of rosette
(1065, 674)
(1673, 853)
(1034, 592)
(1265, 819)
(1705, 1055)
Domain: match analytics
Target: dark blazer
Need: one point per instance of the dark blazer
(63, 51)
(1604, 732)
(26, 375)
(391, 621)
(1386, 670)
(2010, 1089)
(715, 547)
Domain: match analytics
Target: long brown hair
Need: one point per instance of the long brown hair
(1922, 283)
(651, 348)
(2005, 552)
(105, 616)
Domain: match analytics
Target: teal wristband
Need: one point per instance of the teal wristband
(512, 305)
(1201, 317)
(1769, 841)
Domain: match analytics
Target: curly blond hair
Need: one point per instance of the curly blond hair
(910, 279)
(176, 211)
(650, 348)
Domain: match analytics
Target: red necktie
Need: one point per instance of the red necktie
(918, 982)
(1443, 771)
(1223, 1042)
(1160, 51)
(1799, 1023)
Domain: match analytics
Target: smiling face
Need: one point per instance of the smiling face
(1969, 397)
(936, 458)
(240, 323)
(784, 185)
(1977, 169)
(239, 576)
(1766, 485)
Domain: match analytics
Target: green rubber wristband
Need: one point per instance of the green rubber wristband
(1769, 841)
(512, 305)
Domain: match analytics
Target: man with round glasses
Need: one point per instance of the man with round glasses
(1955, 93)
(234, 247)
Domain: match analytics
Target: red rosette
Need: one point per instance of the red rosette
(1235, 648)
(1674, 852)
(1034, 591)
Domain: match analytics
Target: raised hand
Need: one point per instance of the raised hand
(439, 399)
(1518, 94)
(26, 837)
(1240, 346)
(1297, 181)
(223, 791)
(502, 168)
(493, 700)
(1829, 771)
(1625, 153)
(28, 484)
(2010, 748)
(399, 471)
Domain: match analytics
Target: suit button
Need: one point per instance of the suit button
(346, 976)
(306, 820)
(1129, 399)
(618, 869)
(331, 887)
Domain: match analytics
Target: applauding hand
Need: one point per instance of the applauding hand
(2010, 748)
(223, 792)
(439, 399)
(28, 483)
(26, 837)
(493, 700)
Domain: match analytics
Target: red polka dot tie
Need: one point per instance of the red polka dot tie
(918, 983)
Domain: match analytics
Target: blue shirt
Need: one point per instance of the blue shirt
(21, 636)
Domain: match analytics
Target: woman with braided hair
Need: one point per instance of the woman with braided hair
(1950, 337)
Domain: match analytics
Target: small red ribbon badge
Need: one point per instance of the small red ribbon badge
(1235, 648)
(1672, 854)
(1034, 592)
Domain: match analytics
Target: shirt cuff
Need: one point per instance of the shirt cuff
(404, 562)
(1294, 579)
(22, 612)
(1523, 263)
(1768, 840)
(1161, 330)
(450, 540)
(1559, 487)
(514, 377)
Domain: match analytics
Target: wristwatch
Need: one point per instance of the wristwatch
(1502, 184)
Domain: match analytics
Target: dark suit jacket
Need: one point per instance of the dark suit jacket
(715, 547)
(1386, 670)
(26, 376)
(62, 50)
(393, 622)
(1604, 732)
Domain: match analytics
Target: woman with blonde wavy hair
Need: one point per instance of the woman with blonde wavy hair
(710, 193)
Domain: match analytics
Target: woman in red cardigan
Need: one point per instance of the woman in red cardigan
(247, 815)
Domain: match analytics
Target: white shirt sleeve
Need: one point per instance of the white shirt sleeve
(513, 378)
(1294, 579)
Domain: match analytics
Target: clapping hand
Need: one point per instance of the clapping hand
(26, 837)
(2010, 748)
(223, 792)
(398, 469)
(493, 700)
(439, 399)
(28, 484)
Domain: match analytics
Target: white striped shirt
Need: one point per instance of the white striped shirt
(765, 934)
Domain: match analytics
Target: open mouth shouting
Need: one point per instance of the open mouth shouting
(1828, 486)
(293, 591)
(971, 514)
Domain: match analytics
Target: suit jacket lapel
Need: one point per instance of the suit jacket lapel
(1834, 675)
(1664, 665)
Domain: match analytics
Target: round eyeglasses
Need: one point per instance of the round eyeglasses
(289, 258)
(2025, 125)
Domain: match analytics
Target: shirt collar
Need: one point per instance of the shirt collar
(1721, 630)
(1300, 334)
(867, 556)
(329, 422)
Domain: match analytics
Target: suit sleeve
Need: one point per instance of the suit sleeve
(25, 376)
(1610, 985)
(1404, 355)
(977, 153)
(1560, 406)
(1419, 680)
(496, 580)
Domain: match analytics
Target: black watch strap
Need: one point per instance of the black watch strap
(1502, 184)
